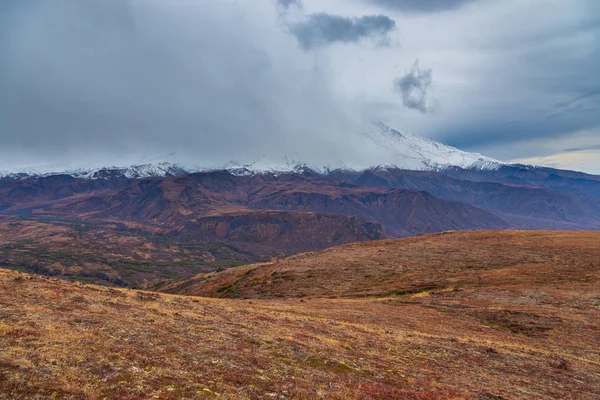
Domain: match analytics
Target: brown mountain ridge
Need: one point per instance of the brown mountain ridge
(269, 215)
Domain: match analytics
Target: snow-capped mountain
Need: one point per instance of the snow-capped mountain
(414, 152)
(394, 149)
(161, 169)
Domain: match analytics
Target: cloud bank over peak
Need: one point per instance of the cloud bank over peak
(114, 82)
(105, 82)
(286, 4)
(322, 29)
(421, 6)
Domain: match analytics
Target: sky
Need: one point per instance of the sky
(207, 82)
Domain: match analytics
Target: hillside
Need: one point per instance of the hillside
(527, 197)
(528, 329)
(112, 253)
(444, 261)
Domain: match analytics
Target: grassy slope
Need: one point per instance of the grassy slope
(436, 261)
(521, 333)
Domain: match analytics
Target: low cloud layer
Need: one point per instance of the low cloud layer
(114, 82)
(102, 82)
(322, 29)
(421, 6)
(414, 87)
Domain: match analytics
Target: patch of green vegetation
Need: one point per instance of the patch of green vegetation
(83, 279)
(254, 282)
(169, 275)
(200, 246)
(227, 289)
(247, 273)
(288, 277)
(130, 267)
(315, 362)
(82, 227)
(161, 240)
(410, 292)
(333, 365)
(352, 223)
(24, 242)
(226, 264)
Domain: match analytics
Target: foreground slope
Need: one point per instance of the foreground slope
(505, 339)
(434, 261)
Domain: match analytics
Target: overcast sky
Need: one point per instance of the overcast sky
(204, 82)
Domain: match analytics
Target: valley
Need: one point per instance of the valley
(116, 254)
(131, 230)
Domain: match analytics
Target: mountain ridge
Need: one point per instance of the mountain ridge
(402, 151)
(203, 221)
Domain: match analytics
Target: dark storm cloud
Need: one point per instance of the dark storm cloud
(569, 103)
(414, 87)
(586, 102)
(490, 125)
(323, 29)
(421, 6)
(587, 148)
(535, 81)
(497, 136)
(289, 3)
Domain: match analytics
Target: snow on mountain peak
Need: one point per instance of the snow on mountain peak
(412, 152)
(392, 148)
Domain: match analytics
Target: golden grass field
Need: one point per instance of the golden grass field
(476, 315)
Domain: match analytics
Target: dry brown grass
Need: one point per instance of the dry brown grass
(536, 336)
(403, 266)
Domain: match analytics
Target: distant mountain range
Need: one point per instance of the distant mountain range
(407, 151)
(285, 207)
